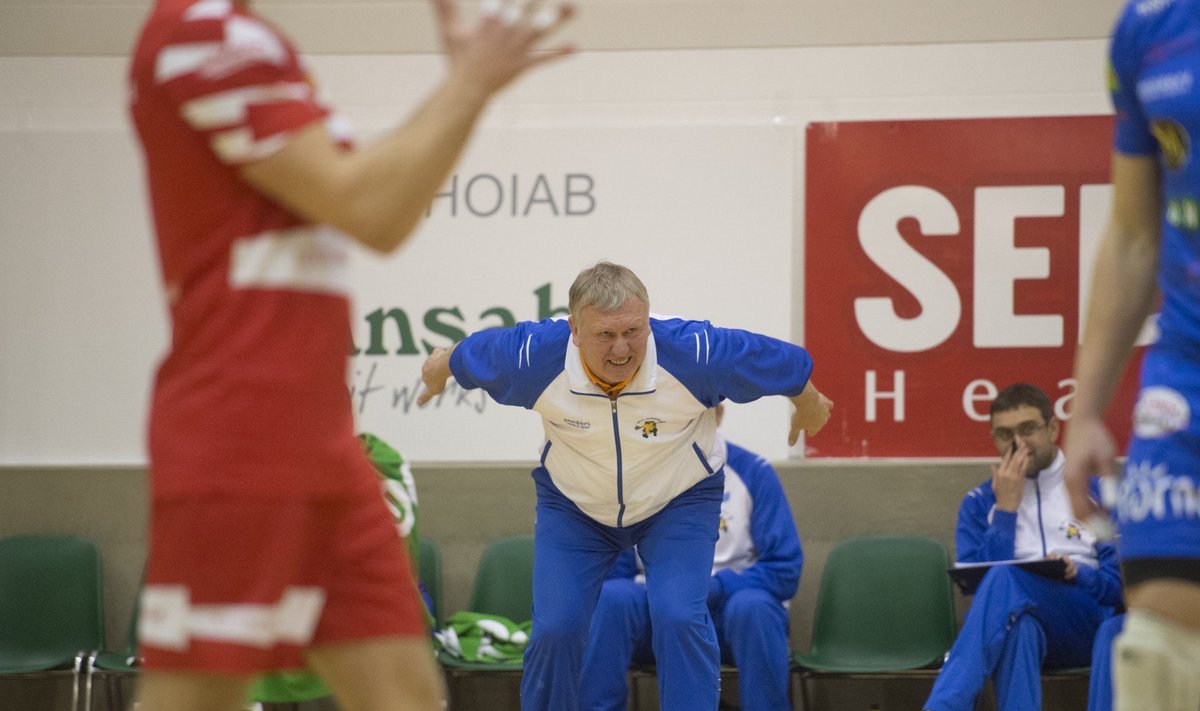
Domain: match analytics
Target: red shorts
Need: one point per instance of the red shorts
(244, 584)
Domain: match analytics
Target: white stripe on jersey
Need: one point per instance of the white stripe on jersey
(239, 146)
(208, 10)
(180, 59)
(706, 347)
(248, 34)
(244, 42)
(309, 258)
(229, 108)
(169, 619)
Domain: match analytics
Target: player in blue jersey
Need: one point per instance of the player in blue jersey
(1152, 240)
(627, 404)
(755, 572)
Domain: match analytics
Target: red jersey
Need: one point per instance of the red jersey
(252, 395)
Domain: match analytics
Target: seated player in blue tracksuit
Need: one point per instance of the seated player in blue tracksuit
(627, 405)
(756, 569)
(1020, 622)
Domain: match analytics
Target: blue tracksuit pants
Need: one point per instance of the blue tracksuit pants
(572, 556)
(1100, 687)
(752, 628)
(1018, 623)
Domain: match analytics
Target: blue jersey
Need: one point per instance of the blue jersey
(1155, 82)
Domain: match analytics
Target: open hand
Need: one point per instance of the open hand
(506, 42)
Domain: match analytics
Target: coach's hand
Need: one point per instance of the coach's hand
(811, 414)
(435, 371)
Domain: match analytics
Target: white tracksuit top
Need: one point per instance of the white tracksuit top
(623, 460)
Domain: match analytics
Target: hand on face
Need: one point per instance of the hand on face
(1008, 477)
(1025, 440)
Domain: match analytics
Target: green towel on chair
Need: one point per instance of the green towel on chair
(476, 637)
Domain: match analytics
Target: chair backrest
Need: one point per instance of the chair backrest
(504, 581)
(51, 600)
(885, 603)
(429, 567)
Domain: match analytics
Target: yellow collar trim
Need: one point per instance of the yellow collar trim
(610, 390)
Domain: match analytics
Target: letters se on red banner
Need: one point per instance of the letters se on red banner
(944, 260)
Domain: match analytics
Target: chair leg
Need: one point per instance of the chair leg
(77, 670)
(87, 691)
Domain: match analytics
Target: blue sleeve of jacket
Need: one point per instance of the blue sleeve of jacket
(975, 539)
(514, 365)
(1103, 583)
(773, 529)
(719, 363)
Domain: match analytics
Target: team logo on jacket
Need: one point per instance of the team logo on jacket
(1174, 142)
(1072, 531)
(648, 427)
(1159, 412)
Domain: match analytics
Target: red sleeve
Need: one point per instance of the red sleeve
(236, 80)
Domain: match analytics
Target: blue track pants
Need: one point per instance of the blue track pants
(1018, 623)
(572, 556)
(1100, 687)
(752, 629)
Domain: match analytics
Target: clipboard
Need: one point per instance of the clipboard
(967, 575)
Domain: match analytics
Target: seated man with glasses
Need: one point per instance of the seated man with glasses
(1021, 622)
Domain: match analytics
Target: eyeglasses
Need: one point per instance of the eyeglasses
(1025, 430)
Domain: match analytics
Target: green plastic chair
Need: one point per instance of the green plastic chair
(51, 604)
(503, 586)
(429, 567)
(885, 605)
(504, 581)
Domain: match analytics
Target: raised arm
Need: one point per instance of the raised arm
(377, 194)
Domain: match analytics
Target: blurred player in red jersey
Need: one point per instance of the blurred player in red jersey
(256, 192)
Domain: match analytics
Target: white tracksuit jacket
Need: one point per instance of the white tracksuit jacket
(623, 460)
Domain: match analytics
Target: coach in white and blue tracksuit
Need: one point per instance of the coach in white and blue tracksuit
(1020, 622)
(629, 459)
(755, 572)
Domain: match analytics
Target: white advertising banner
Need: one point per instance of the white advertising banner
(702, 213)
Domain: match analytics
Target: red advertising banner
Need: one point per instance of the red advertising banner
(945, 260)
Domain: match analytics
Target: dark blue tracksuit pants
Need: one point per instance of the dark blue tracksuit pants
(1100, 686)
(1018, 623)
(752, 627)
(572, 556)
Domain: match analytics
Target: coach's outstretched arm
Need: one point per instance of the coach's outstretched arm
(377, 194)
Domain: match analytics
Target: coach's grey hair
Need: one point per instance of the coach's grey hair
(606, 286)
